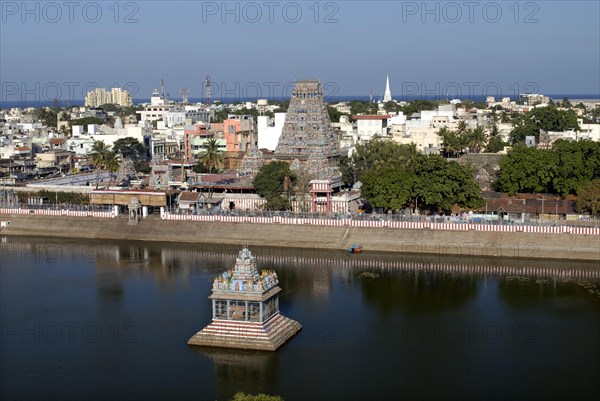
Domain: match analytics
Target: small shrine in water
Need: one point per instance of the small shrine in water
(245, 310)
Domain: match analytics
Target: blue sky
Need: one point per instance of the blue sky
(459, 48)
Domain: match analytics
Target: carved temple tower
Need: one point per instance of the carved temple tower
(307, 127)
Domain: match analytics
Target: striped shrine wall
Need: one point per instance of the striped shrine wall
(256, 204)
(388, 224)
(252, 204)
(328, 236)
(58, 212)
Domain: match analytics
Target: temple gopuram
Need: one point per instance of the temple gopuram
(245, 310)
(307, 127)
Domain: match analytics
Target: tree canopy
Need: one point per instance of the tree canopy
(86, 120)
(548, 118)
(240, 396)
(398, 176)
(212, 156)
(588, 198)
(377, 153)
(272, 181)
(564, 169)
(130, 148)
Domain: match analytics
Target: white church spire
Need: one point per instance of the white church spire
(388, 94)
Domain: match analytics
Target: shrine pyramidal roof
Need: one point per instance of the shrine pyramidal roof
(244, 277)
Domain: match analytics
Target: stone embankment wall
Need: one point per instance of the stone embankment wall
(418, 241)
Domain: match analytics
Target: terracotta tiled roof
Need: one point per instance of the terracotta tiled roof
(528, 203)
(189, 196)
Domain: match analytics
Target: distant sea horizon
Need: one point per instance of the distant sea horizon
(329, 99)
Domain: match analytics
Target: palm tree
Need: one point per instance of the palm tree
(477, 139)
(450, 141)
(111, 164)
(64, 129)
(213, 156)
(495, 131)
(99, 154)
(410, 158)
(462, 128)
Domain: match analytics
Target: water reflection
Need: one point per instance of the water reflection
(399, 335)
(417, 292)
(253, 372)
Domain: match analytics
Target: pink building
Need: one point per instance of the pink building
(190, 132)
(238, 131)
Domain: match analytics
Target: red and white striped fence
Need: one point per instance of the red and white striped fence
(328, 222)
(58, 212)
(387, 223)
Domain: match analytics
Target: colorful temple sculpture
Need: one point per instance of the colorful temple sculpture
(245, 310)
(307, 126)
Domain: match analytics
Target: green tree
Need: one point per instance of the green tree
(48, 116)
(360, 107)
(111, 164)
(348, 170)
(65, 130)
(65, 116)
(495, 145)
(571, 173)
(86, 120)
(437, 183)
(109, 107)
(452, 143)
(441, 184)
(588, 198)
(476, 140)
(526, 169)
(130, 148)
(388, 187)
(547, 118)
(376, 153)
(391, 106)
(255, 397)
(272, 181)
(100, 153)
(271, 177)
(417, 106)
(410, 156)
(334, 114)
(212, 155)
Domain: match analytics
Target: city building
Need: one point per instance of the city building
(269, 130)
(367, 126)
(531, 99)
(239, 132)
(100, 96)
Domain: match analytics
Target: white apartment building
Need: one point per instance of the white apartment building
(368, 126)
(109, 135)
(270, 131)
(423, 130)
(188, 115)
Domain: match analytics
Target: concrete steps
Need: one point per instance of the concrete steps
(266, 336)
